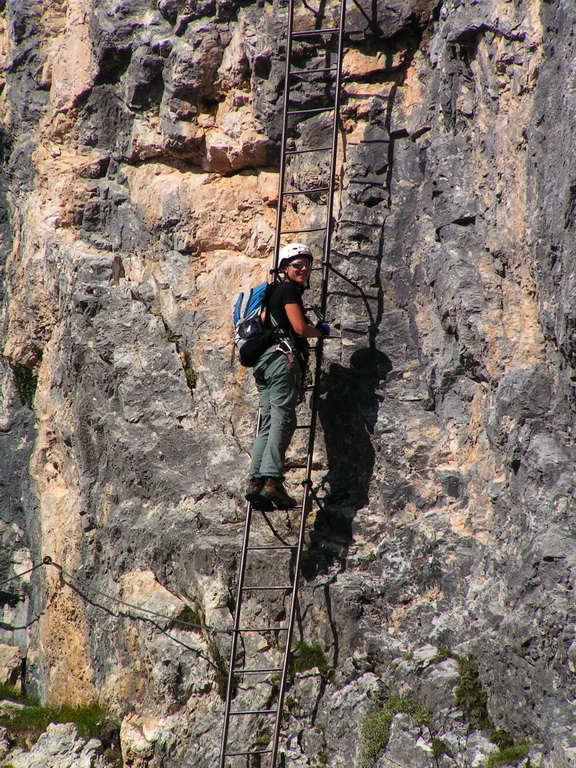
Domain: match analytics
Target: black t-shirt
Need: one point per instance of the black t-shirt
(282, 294)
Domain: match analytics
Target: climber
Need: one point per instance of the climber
(277, 375)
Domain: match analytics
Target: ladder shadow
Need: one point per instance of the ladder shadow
(335, 645)
(348, 411)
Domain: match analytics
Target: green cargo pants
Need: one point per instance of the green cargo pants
(278, 381)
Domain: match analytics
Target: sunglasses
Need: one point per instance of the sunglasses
(300, 264)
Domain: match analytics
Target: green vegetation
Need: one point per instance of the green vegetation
(470, 697)
(272, 695)
(11, 693)
(25, 382)
(221, 669)
(172, 337)
(31, 721)
(263, 737)
(439, 747)
(508, 756)
(190, 617)
(323, 751)
(191, 377)
(189, 372)
(222, 684)
(292, 702)
(501, 738)
(28, 722)
(308, 656)
(443, 654)
(376, 727)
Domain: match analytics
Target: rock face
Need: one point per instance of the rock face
(60, 747)
(137, 197)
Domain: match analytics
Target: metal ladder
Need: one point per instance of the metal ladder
(325, 43)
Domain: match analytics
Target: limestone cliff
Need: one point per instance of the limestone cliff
(137, 196)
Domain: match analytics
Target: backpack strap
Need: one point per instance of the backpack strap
(269, 321)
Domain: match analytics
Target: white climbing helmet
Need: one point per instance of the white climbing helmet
(292, 251)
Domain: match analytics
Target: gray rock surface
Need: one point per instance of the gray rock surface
(137, 197)
(60, 747)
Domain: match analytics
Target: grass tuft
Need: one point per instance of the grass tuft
(308, 656)
(189, 618)
(471, 697)
(25, 724)
(376, 728)
(439, 747)
(11, 693)
(25, 382)
(191, 377)
(442, 654)
(508, 756)
(29, 722)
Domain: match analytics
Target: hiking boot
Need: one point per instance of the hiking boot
(253, 495)
(274, 492)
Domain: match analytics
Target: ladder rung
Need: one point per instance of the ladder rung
(274, 546)
(253, 752)
(313, 71)
(306, 151)
(374, 183)
(299, 231)
(269, 588)
(303, 426)
(262, 629)
(254, 712)
(315, 111)
(361, 223)
(368, 141)
(307, 191)
(314, 32)
(242, 671)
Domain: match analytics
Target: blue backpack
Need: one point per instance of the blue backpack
(251, 336)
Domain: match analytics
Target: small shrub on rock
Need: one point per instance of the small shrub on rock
(376, 727)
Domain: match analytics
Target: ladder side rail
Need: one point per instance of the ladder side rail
(285, 110)
(332, 178)
(292, 615)
(235, 636)
(235, 632)
(315, 397)
(301, 535)
(315, 392)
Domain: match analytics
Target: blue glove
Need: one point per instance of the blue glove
(324, 329)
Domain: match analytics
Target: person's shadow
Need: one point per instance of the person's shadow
(348, 411)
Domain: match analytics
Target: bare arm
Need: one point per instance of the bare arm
(298, 322)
